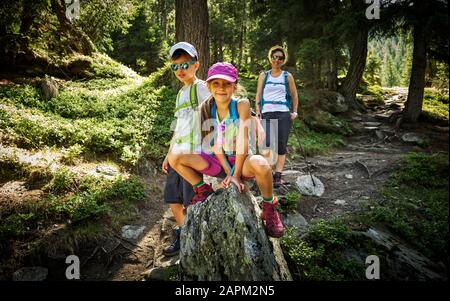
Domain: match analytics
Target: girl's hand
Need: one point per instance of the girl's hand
(232, 179)
(226, 182)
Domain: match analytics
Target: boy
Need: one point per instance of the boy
(186, 138)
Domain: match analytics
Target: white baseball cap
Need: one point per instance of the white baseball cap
(184, 46)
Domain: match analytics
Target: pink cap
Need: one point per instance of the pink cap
(224, 71)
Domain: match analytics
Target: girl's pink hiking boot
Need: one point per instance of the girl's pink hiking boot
(270, 215)
(201, 193)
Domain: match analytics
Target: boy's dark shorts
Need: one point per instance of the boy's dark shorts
(284, 128)
(177, 189)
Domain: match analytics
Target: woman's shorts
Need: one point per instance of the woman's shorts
(281, 132)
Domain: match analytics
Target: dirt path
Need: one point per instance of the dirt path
(356, 173)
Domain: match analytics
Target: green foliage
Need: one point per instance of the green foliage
(10, 167)
(16, 225)
(142, 46)
(70, 155)
(314, 143)
(416, 204)
(290, 201)
(129, 190)
(319, 256)
(125, 121)
(63, 181)
(435, 103)
(99, 19)
(71, 199)
(372, 70)
(427, 171)
(392, 57)
(105, 67)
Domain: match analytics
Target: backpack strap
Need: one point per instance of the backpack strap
(262, 101)
(193, 99)
(234, 114)
(288, 93)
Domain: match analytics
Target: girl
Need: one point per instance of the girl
(225, 148)
(277, 99)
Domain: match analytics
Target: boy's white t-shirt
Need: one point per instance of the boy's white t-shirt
(188, 119)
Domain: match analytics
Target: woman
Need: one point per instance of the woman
(277, 100)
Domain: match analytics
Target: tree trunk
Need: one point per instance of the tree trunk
(358, 56)
(220, 47)
(318, 79)
(332, 75)
(192, 26)
(27, 19)
(78, 39)
(164, 18)
(293, 45)
(242, 33)
(413, 106)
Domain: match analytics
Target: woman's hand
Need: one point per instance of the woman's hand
(232, 179)
(294, 115)
(165, 165)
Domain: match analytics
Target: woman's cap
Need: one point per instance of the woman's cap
(224, 71)
(184, 46)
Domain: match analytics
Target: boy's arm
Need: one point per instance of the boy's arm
(242, 139)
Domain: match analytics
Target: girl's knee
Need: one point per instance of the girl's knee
(259, 164)
(174, 159)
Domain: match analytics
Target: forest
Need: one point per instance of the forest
(87, 100)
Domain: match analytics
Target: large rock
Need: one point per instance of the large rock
(333, 102)
(224, 239)
(49, 87)
(132, 232)
(310, 185)
(323, 121)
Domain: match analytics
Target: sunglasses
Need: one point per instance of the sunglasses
(278, 57)
(183, 66)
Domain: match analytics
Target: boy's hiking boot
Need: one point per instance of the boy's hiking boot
(201, 193)
(270, 215)
(174, 247)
